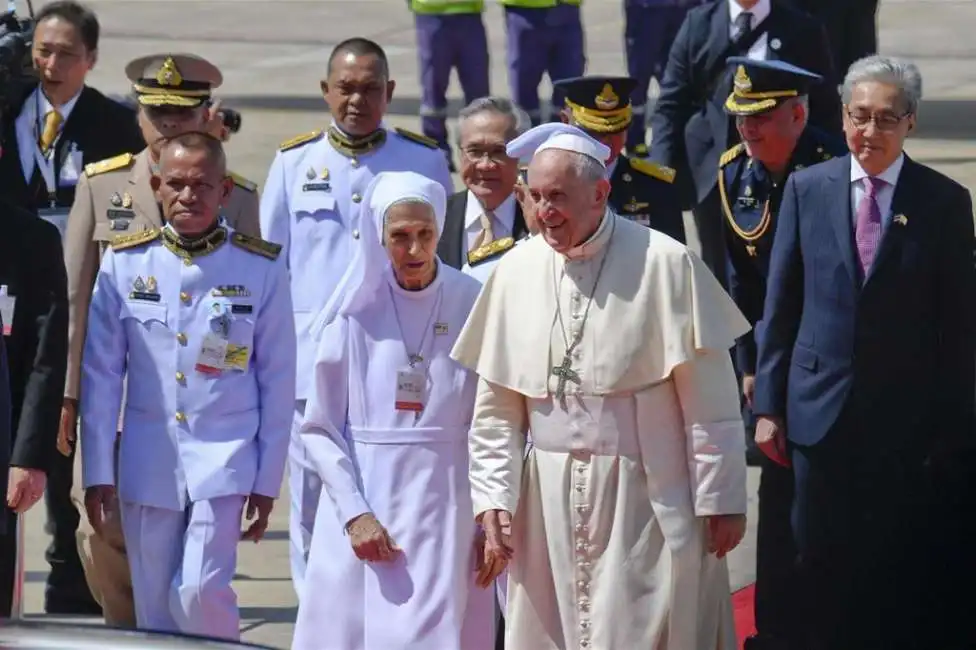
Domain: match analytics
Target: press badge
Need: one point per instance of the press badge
(411, 387)
(7, 305)
(213, 352)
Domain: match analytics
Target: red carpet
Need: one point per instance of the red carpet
(742, 611)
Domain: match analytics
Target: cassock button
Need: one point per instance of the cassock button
(355, 234)
(354, 162)
(180, 416)
(184, 296)
(180, 377)
(181, 338)
(356, 198)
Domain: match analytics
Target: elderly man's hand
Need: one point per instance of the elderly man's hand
(370, 540)
(771, 439)
(498, 546)
(724, 533)
(67, 431)
(25, 487)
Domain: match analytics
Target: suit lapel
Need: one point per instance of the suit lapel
(838, 198)
(894, 232)
(450, 248)
(776, 32)
(718, 37)
(141, 191)
(519, 228)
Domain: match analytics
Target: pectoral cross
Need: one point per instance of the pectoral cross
(565, 373)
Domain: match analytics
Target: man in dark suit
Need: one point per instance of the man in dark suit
(484, 220)
(640, 190)
(690, 129)
(865, 380)
(769, 101)
(852, 26)
(34, 307)
(6, 443)
(59, 126)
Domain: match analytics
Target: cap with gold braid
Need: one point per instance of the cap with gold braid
(761, 86)
(182, 80)
(599, 104)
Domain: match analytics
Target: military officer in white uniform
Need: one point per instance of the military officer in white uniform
(311, 206)
(200, 316)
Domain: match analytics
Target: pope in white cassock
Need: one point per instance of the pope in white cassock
(610, 342)
(394, 551)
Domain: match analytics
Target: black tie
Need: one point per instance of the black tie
(742, 27)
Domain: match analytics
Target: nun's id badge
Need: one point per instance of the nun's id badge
(410, 390)
(213, 352)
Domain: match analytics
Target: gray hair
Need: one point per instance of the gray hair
(520, 121)
(900, 73)
(587, 169)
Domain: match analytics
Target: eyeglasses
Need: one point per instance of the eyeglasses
(495, 155)
(885, 122)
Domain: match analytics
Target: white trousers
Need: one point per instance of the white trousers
(182, 565)
(304, 488)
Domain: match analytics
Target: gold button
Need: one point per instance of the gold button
(356, 198)
(180, 376)
(181, 337)
(184, 296)
(180, 416)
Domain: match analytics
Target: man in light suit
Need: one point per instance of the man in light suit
(865, 380)
(200, 317)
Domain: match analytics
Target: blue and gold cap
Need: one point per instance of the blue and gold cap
(599, 104)
(761, 86)
(182, 80)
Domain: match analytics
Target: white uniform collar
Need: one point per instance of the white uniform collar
(597, 242)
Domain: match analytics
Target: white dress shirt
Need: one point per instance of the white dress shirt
(885, 194)
(502, 223)
(760, 12)
(30, 123)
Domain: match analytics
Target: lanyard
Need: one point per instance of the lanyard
(417, 357)
(45, 162)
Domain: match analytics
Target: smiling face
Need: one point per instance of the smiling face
(410, 237)
(485, 167)
(771, 136)
(568, 208)
(190, 187)
(357, 92)
(876, 124)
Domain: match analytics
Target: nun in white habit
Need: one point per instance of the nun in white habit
(393, 557)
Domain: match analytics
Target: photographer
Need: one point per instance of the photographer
(56, 127)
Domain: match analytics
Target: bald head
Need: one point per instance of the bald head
(192, 182)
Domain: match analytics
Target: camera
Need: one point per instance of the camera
(16, 70)
(231, 118)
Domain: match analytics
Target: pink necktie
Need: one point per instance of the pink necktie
(867, 229)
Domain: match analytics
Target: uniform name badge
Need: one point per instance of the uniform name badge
(7, 305)
(213, 352)
(411, 389)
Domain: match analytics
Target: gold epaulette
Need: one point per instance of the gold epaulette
(300, 140)
(109, 164)
(416, 137)
(653, 169)
(123, 242)
(491, 249)
(242, 182)
(256, 245)
(731, 154)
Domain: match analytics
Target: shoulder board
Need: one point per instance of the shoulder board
(300, 140)
(731, 154)
(256, 245)
(416, 137)
(653, 169)
(491, 249)
(123, 242)
(109, 164)
(242, 182)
